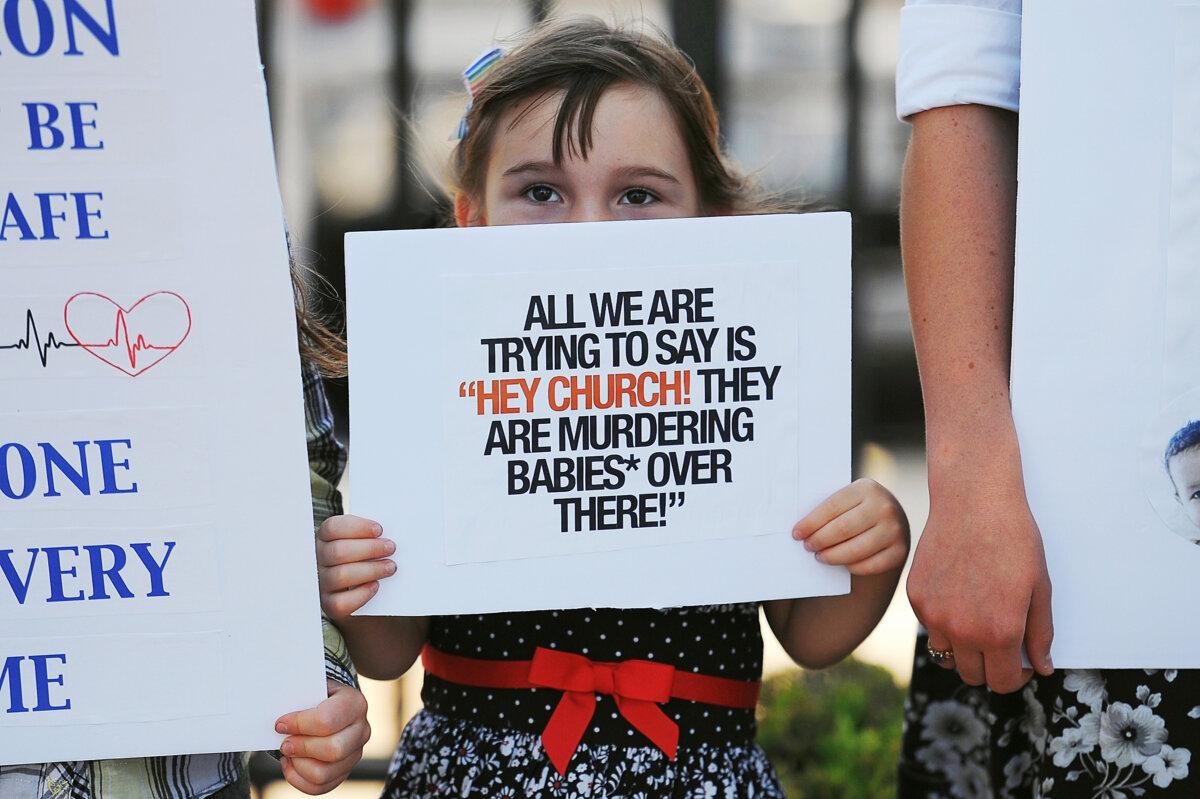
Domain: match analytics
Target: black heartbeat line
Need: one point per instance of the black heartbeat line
(33, 340)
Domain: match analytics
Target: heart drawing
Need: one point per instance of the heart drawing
(129, 339)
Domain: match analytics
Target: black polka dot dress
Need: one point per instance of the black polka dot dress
(485, 742)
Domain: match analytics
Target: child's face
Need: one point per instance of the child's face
(638, 167)
(1184, 469)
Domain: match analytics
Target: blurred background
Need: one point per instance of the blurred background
(365, 95)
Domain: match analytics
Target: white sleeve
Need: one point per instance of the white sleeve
(954, 52)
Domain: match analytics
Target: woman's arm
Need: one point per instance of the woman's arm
(978, 580)
(863, 528)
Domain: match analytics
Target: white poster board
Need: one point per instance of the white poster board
(157, 591)
(616, 414)
(1106, 339)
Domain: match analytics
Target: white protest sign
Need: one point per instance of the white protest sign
(617, 414)
(1106, 339)
(157, 591)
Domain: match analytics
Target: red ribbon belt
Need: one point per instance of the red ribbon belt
(637, 686)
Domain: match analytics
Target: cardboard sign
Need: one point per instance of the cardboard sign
(157, 591)
(622, 414)
(1106, 339)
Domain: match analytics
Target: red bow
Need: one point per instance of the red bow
(638, 686)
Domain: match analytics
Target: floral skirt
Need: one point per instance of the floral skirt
(1094, 734)
(442, 757)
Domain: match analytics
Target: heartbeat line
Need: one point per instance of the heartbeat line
(120, 341)
(33, 340)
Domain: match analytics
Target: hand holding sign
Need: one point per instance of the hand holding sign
(626, 424)
(325, 742)
(351, 560)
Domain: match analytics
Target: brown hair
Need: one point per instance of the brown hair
(582, 59)
(321, 346)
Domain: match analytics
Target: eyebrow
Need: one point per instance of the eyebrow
(526, 167)
(647, 172)
(636, 171)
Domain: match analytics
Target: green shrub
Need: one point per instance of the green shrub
(835, 733)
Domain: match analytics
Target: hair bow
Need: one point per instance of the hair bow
(474, 77)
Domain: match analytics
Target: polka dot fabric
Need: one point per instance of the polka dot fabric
(719, 640)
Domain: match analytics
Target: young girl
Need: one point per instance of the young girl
(586, 123)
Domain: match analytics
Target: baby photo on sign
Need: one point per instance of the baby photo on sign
(1183, 465)
(1171, 466)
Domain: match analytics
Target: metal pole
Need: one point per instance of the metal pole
(863, 376)
(402, 100)
(696, 27)
(852, 88)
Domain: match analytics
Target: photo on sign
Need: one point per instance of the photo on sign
(1170, 473)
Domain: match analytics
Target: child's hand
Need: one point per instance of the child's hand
(862, 526)
(325, 742)
(351, 560)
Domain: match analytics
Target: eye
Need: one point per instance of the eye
(638, 197)
(1195, 495)
(541, 194)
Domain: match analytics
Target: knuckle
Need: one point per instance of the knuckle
(324, 722)
(932, 616)
(960, 632)
(324, 751)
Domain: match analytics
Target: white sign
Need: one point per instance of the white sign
(156, 559)
(611, 414)
(1106, 339)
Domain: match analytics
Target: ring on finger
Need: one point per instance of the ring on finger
(939, 655)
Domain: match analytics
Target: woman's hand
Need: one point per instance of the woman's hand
(862, 527)
(325, 742)
(352, 557)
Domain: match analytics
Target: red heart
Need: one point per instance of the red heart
(130, 339)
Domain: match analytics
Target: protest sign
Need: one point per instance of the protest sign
(157, 578)
(620, 414)
(1106, 339)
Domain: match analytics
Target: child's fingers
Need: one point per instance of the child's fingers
(881, 562)
(842, 501)
(327, 749)
(342, 604)
(335, 553)
(298, 782)
(842, 528)
(860, 547)
(350, 575)
(318, 772)
(345, 706)
(337, 527)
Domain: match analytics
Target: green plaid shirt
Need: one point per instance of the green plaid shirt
(195, 776)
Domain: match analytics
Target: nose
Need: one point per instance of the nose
(592, 209)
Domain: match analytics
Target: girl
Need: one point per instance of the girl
(586, 123)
